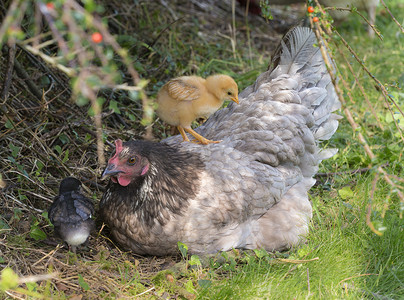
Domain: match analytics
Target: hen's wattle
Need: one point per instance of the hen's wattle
(250, 190)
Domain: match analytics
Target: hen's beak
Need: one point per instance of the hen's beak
(235, 99)
(111, 170)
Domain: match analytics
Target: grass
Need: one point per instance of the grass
(352, 261)
(343, 258)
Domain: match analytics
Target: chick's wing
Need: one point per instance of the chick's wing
(83, 206)
(183, 90)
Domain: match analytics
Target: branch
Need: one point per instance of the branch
(391, 15)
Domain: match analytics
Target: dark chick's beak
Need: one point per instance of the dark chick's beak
(111, 170)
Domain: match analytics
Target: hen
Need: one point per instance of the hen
(71, 212)
(184, 99)
(250, 190)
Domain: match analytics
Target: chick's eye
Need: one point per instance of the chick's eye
(132, 160)
(229, 93)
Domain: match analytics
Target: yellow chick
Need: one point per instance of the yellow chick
(184, 99)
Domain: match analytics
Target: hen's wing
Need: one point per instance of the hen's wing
(182, 89)
(268, 154)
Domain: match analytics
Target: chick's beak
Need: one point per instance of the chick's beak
(111, 170)
(235, 99)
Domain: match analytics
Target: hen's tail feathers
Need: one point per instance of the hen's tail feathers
(299, 55)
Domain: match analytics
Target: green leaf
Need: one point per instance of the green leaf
(142, 83)
(345, 192)
(39, 165)
(58, 149)
(84, 285)
(260, 253)
(132, 117)
(64, 139)
(3, 225)
(17, 214)
(89, 5)
(195, 260)
(134, 95)
(81, 100)
(266, 9)
(9, 124)
(9, 279)
(303, 251)
(189, 286)
(37, 234)
(14, 150)
(204, 283)
(88, 137)
(31, 286)
(66, 157)
(183, 249)
(114, 106)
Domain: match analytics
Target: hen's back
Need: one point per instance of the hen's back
(263, 167)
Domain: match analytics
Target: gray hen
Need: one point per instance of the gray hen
(71, 212)
(250, 190)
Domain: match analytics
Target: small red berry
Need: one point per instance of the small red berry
(310, 9)
(315, 19)
(50, 5)
(96, 37)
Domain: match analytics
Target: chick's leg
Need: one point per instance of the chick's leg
(184, 135)
(200, 138)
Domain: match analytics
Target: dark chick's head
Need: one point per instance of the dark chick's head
(69, 184)
(128, 163)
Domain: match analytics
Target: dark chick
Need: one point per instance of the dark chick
(248, 191)
(71, 213)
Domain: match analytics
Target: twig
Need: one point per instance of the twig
(356, 276)
(296, 261)
(379, 84)
(152, 288)
(385, 93)
(357, 12)
(109, 39)
(361, 88)
(308, 281)
(27, 207)
(52, 61)
(55, 32)
(164, 30)
(391, 15)
(35, 278)
(47, 255)
(351, 172)
(27, 79)
(13, 17)
(8, 75)
(354, 125)
(369, 210)
(13, 295)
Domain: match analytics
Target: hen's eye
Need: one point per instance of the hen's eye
(132, 160)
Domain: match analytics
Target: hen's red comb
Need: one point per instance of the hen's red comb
(119, 147)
